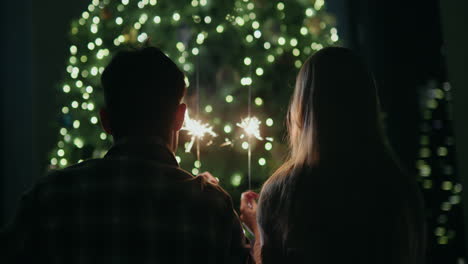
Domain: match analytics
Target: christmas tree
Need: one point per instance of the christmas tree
(240, 58)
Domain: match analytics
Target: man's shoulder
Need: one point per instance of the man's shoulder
(113, 166)
(105, 169)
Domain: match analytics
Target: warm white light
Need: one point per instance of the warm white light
(281, 41)
(63, 162)
(73, 49)
(259, 71)
(245, 145)
(142, 37)
(246, 81)
(61, 152)
(78, 142)
(262, 161)
(143, 18)
(269, 122)
(157, 19)
(296, 52)
(94, 28)
(293, 42)
(180, 46)
(334, 38)
(271, 58)
(85, 15)
(255, 25)
(258, 101)
(257, 34)
(66, 88)
(280, 6)
(240, 21)
(98, 41)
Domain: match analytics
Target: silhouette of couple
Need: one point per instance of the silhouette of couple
(339, 197)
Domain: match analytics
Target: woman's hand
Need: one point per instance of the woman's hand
(248, 210)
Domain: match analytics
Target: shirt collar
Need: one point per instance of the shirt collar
(153, 149)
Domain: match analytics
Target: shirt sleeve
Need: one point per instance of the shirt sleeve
(16, 239)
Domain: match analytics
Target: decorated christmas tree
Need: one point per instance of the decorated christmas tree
(240, 58)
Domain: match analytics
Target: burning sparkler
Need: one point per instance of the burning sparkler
(251, 127)
(197, 130)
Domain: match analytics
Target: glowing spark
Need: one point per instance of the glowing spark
(197, 130)
(251, 126)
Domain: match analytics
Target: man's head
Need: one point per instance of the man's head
(143, 90)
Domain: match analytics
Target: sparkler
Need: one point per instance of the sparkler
(197, 130)
(251, 127)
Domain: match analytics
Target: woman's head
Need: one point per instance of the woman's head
(334, 108)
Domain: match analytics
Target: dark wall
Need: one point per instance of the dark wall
(15, 103)
(34, 58)
(51, 26)
(455, 23)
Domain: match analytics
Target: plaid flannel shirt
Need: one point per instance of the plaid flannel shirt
(133, 206)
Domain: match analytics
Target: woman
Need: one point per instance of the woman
(340, 197)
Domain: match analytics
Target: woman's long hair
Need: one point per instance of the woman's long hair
(334, 120)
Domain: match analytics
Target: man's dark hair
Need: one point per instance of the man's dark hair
(142, 89)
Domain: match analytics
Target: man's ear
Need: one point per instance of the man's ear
(179, 117)
(105, 120)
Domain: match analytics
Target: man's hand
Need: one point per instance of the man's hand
(209, 177)
(248, 210)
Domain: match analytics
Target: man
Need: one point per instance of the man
(135, 205)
